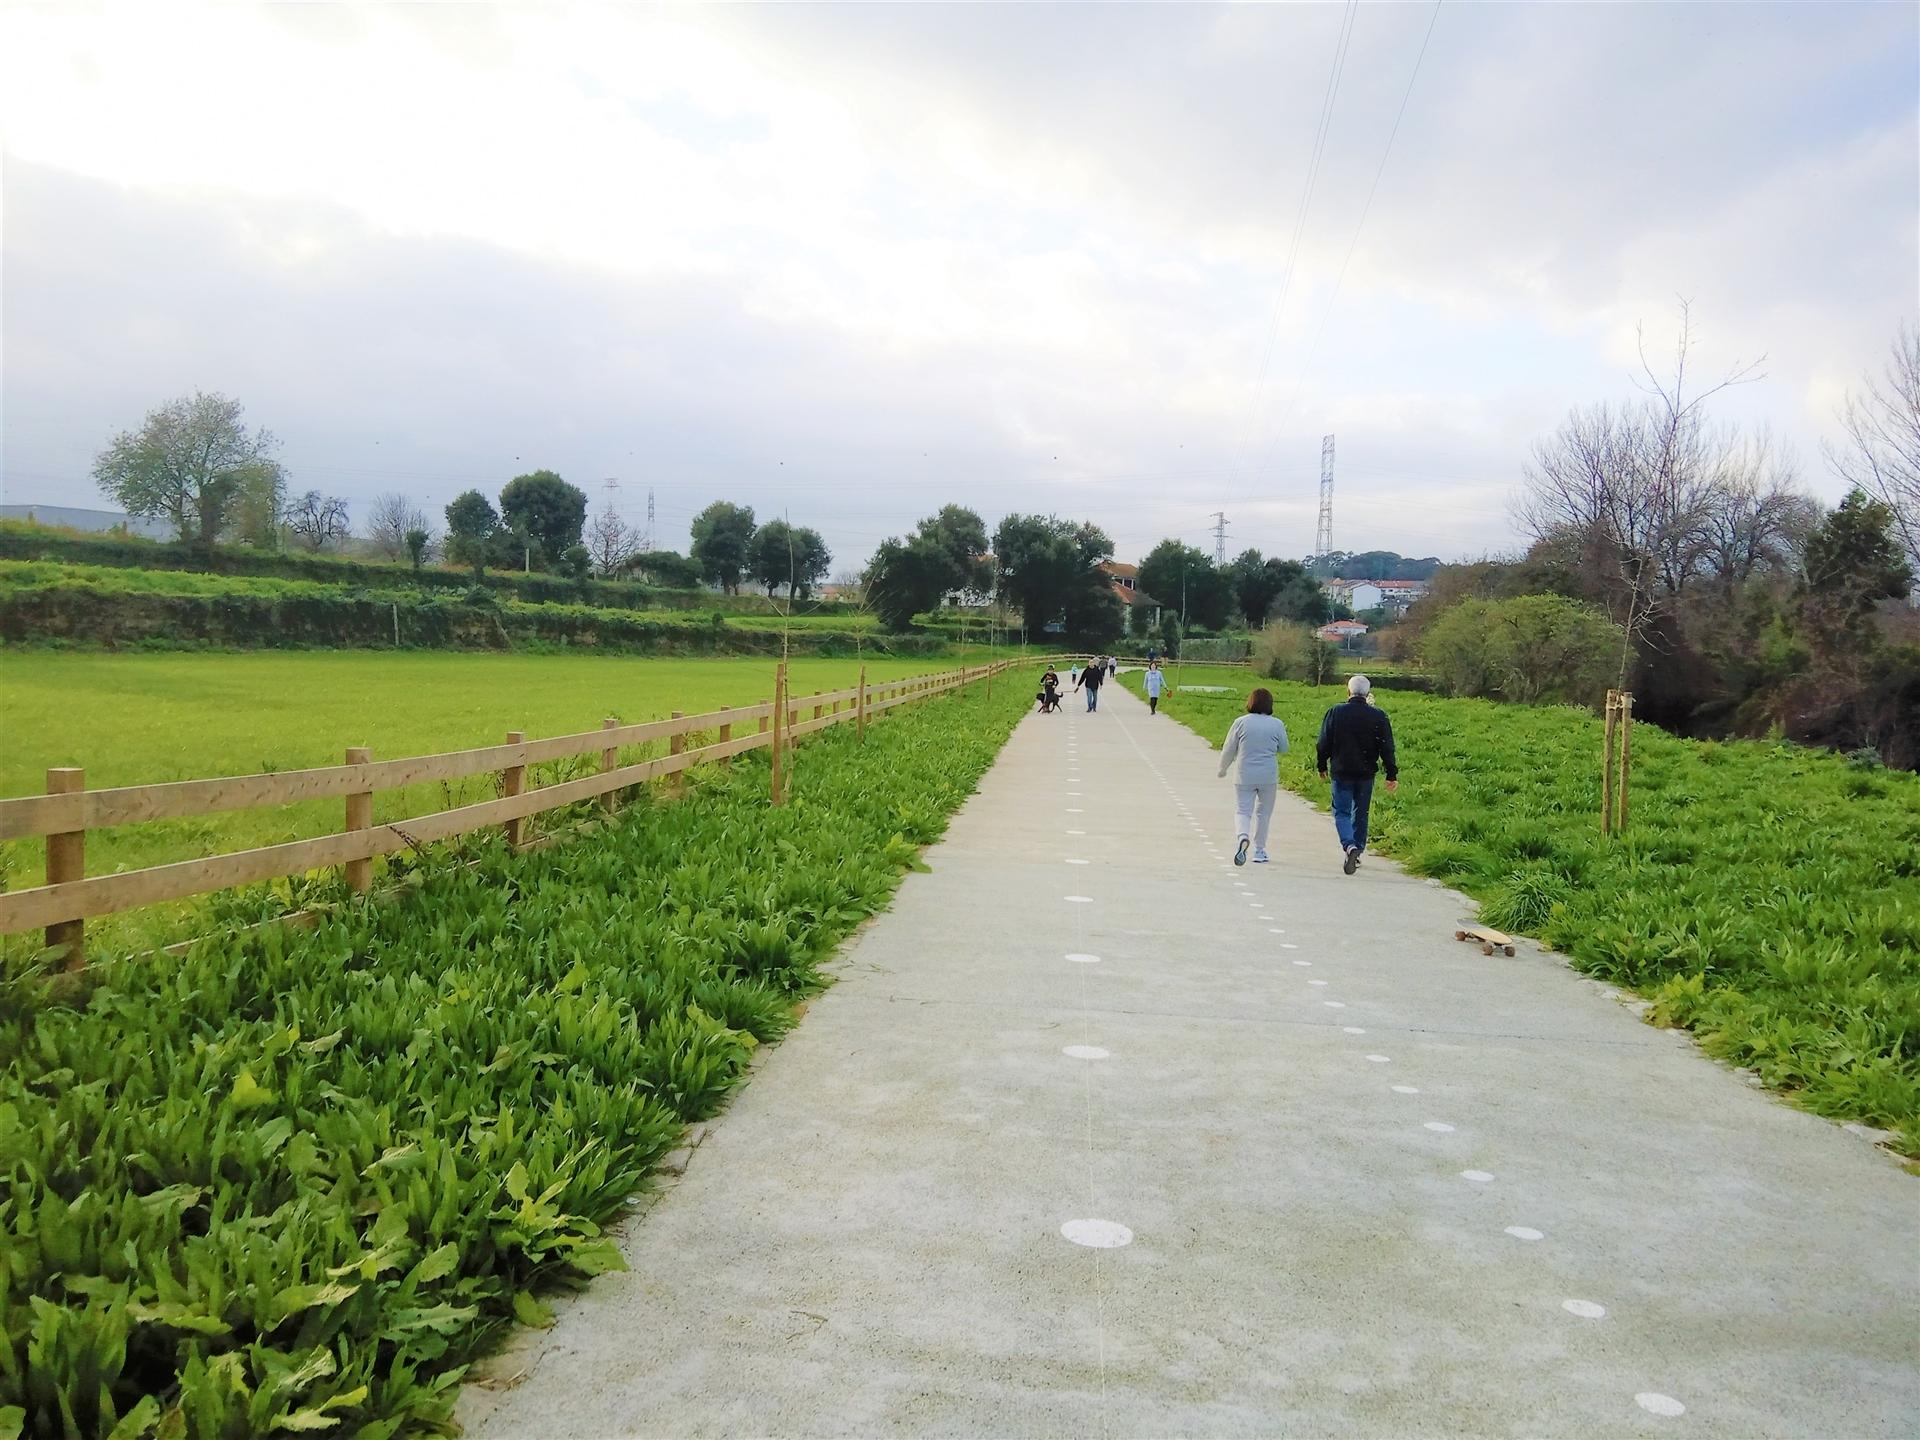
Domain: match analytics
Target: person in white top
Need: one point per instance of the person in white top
(1156, 681)
(1258, 741)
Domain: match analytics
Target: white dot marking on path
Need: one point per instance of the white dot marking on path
(1585, 1309)
(1341, 1005)
(1305, 964)
(1657, 1404)
(1439, 1127)
(1075, 810)
(1524, 1232)
(1356, 1030)
(1099, 1234)
(1080, 957)
(1076, 832)
(1285, 945)
(1316, 982)
(1406, 1089)
(1478, 1177)
(1071, 861)
(1085, 1052)
(1079, 899)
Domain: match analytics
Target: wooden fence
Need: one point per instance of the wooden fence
(68, 810)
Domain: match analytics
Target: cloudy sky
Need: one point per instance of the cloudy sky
(855, 263)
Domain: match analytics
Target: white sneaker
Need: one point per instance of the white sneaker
(1259, 857)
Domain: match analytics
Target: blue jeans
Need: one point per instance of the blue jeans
(1093, 697)
(1351, 799)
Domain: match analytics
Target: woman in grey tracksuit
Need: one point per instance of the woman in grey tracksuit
(1258, 741)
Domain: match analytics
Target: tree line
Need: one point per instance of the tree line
(1729, 600)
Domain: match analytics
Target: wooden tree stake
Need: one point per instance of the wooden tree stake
(860, 708)
(780, 722)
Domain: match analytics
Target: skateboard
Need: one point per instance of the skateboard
(1489, 940)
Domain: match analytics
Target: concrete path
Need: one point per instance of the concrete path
(1375, 1183)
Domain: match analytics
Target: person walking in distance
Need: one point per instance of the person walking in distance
(1355, 739)
(1156, 681)
(1258, 741)
(1090, 679)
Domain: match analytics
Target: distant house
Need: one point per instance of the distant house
(1124, 580)
(1342, 632)
(1358, 595)
(73, 517)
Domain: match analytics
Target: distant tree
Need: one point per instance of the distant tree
(388, 521)
(812, 559)
(1254, 586)
(1094, 615)
(1169, 635)
(417, 543)
(576, 562)
(1297, 595)
(611, 541)
(471, 526)
(722, 539)
(666, 568)
(1049, 567)
(318, 520)
(1178, 575)
(193, 463)
(547, 509)
(1882, 455)
(905, 578)
(770, 556)
(961, 535)
(1853, 563)
(1289, 650)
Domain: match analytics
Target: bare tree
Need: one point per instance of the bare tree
(1882, 454)
(611, 542)
(318, 520)
(1758, 518)
(389, 520)
(1631, 490)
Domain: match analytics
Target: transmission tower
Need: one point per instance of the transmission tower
(1323, 537)
(646, 540)
(1219, 537)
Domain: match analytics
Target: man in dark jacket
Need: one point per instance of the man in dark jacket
(1354, 739)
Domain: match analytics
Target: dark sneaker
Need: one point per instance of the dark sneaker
(1240, 855)
(1353, 860)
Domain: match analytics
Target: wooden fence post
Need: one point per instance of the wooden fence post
(860, 708)
(513, 780)
(677, 745)
(359, 817)
(818, 710)
(780, 722)
(726, 734)
(67, 860)
(608, 758)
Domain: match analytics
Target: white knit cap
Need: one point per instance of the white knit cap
(1359, 685)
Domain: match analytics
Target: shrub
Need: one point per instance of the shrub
(1533, 648)
(1288, 650)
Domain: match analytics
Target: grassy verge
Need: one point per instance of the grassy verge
(295, 1182)
(1765, 896)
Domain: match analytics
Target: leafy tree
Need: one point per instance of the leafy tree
(904, 578)
(417, 542)
(1170, 635)
(1289, 650)
(195, 464)
(1095, 616)
(1186, 579)
(1297, 595)
(813, 561)
(547, 509)
(576, 562)
(1853, 562)
(667, 568)
(722, 541)
(319, 520)
(471, 527)
(961, 535)
(1049, 566)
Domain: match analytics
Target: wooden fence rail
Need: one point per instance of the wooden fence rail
(65, 814)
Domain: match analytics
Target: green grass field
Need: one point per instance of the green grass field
(1766, 896)
(140, 718)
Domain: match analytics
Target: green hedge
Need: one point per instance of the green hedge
(308, 618)
(21, 541)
